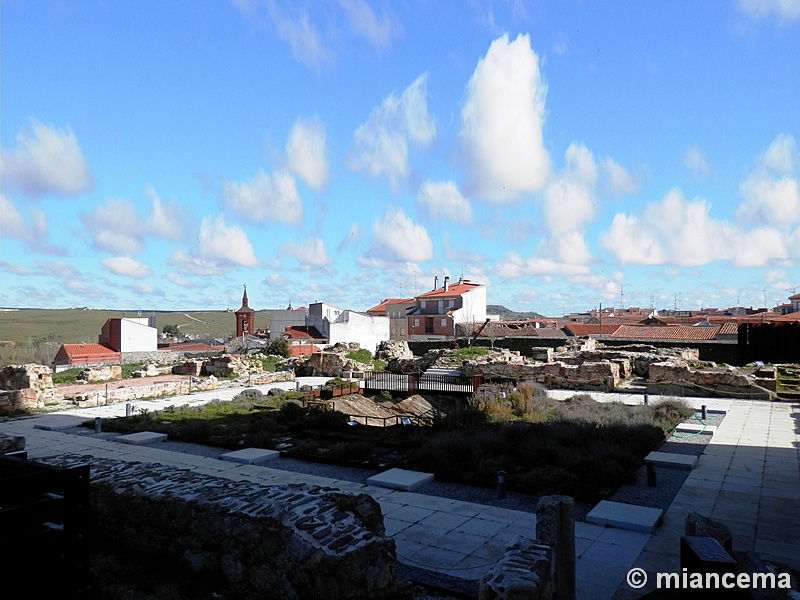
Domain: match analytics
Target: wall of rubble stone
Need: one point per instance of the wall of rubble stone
(287, 541)
(164, 357)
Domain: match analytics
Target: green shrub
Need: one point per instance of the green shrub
(472, 351)
(361, 355)
(67, 376)
(279, 347)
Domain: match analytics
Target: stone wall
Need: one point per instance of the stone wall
(676, 378)
(283, 541)
(165, 357)
(27, 387)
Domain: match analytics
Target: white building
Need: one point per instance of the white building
(348, 325)
(128, 334)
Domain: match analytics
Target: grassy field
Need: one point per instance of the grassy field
(34, 335)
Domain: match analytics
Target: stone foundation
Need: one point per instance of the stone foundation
(27, 387)
(284, 541)
(678, 379)
(523, 573)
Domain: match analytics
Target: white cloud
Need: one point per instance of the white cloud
(179, 281)
(771, 192)
(30, 229)
(784, 10)
(146, 289)
(443, 200)
(16, 269)
(303, 37)
(380, 145)
(695, 162)
(225, 244)
(58, 268)
(569, 204)
(310, 252)
(265, 198)
(513, 266)
(219, 248)
(115, 227)
(398, 239)
(47, 161)
(671, 231)
(618, 180)
(363, 21)
(306, 152)
(501, 123)
(126, 267)
(165, 221)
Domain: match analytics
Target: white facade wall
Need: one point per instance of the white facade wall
(473, 309)
(352, 326)
(136, 335)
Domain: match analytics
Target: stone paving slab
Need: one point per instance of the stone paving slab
(250, 456)
(625, 516)
(57, 422)
(400, 479)
(668, 459)
(692, 428)
(142, 438)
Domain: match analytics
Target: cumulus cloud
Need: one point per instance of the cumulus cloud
(381, 144)
(771, 193)
(695, 162)
(310, 252)
(117, 228)
(58, 268)
(443, 200)
(678, 232)
(219, 248)
(501, 123)
(398, 239)
(513, 266)
(784, 10)
(569, 204)
(30, 229)
(47, 161)
(294, 25)
(265, 198)
(306, 152)
(378, 31)
(126, 267)
(618, 180)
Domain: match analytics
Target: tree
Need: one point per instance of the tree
(279, 347)
(171, 330)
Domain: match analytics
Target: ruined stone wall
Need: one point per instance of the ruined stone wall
(27, 387)
(284, 541)
(675, 378)
(164, 357)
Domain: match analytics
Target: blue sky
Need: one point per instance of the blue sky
(161, 154)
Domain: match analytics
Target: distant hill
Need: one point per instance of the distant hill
(506, 314)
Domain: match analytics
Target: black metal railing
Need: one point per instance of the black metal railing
(44, 517)
(413, 383)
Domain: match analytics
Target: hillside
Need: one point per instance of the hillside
(34, 335)
(506, 314)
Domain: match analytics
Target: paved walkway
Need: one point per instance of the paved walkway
(748, 477)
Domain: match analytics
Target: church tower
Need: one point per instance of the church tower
(245, 318)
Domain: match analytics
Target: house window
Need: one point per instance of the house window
(444, 322)
(422, 303)
(451, 303)
(416, 322)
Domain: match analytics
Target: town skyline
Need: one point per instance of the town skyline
(562, 155)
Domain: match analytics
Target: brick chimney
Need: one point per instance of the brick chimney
(446, 283)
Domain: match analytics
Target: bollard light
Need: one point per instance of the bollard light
(98, 425)
(646, 399)
(501, 484)
(127, 409)
(703, 412)
(651, 473)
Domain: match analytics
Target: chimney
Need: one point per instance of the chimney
(446, 283)
(435, 282)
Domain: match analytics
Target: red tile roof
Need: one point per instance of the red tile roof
(303, 332)
(73, 350)
(592, 328)
(669, 332)
(381, 308)
(454, 289)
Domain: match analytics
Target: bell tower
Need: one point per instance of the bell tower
(245, 318)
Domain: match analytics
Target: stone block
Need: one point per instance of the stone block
(400, 479)
(142, 438)
(250, 456)
(625, 516)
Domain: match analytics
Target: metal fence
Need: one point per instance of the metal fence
(414, 383)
